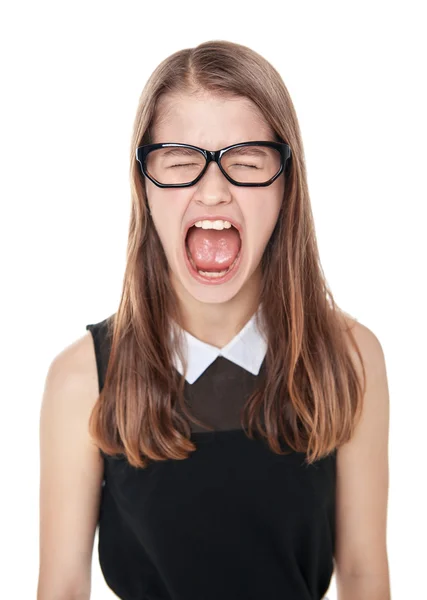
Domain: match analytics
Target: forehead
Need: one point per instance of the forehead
(210, 121)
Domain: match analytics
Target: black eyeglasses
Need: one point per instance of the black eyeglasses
(252, 164)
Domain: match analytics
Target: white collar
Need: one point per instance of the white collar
(247, 350)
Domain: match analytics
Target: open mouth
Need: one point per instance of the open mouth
(213, 254)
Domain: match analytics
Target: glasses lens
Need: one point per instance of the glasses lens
(251, 164)
(174, 165)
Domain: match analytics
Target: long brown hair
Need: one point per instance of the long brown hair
(311, 395)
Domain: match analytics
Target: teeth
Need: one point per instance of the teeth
(219, 224)
(212, 274)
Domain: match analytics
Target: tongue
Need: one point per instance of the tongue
(213, 249)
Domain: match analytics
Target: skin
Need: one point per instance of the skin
(214, 314)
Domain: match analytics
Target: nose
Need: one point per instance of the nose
(213, 188)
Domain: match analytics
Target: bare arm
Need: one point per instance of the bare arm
(362, 487)
(71, 473)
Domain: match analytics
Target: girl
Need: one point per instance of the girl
(226, 429)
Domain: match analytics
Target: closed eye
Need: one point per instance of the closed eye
(242, 165)
(183, 165)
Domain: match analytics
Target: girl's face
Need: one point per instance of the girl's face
(212, 123)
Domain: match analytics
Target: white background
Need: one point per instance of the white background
(71, 77)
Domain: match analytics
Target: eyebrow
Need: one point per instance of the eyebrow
(248, 150)
(179, 152)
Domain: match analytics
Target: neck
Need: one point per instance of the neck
(217, 323)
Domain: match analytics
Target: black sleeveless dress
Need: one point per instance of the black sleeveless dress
(233, 521)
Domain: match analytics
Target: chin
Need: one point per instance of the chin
(217, 291)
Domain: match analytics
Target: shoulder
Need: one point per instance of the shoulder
(370, 347)
(372, 427)
(72, 375)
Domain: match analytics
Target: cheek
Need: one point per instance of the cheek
(261, 233)
(261, 218)
(165, 229)
(269, 212)
(167, 214)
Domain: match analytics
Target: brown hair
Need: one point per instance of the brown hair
(311, 395)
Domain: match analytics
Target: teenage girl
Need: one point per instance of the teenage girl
(226, 429)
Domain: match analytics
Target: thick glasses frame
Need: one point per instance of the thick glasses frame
(213, 156)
